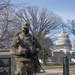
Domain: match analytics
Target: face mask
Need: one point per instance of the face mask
(26, 31)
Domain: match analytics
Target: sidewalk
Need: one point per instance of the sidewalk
(54, 72)
(51, 72)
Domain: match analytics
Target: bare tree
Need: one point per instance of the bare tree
(42, 22)
(71, 26)
(6, 27)
(4, 4)
(46, 43)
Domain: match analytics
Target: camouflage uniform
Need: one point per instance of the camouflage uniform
(24, 66)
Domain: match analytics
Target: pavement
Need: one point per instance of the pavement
(51, 72)
(54, 72)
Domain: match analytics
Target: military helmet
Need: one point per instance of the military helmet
(25, 25)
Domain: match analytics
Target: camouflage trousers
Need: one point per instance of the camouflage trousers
(25, 68)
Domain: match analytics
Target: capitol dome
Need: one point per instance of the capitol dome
(63, 39)
(63, 42)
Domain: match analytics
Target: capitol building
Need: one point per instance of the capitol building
(63, 43)
(62, 48)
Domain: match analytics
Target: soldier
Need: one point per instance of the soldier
(25, 47)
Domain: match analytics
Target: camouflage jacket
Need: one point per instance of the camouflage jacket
(30, 41)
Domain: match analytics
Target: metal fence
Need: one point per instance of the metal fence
(5, 62)
(5, 66)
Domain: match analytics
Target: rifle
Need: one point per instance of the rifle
(37, 63)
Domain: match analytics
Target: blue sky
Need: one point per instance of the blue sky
(64, 8)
